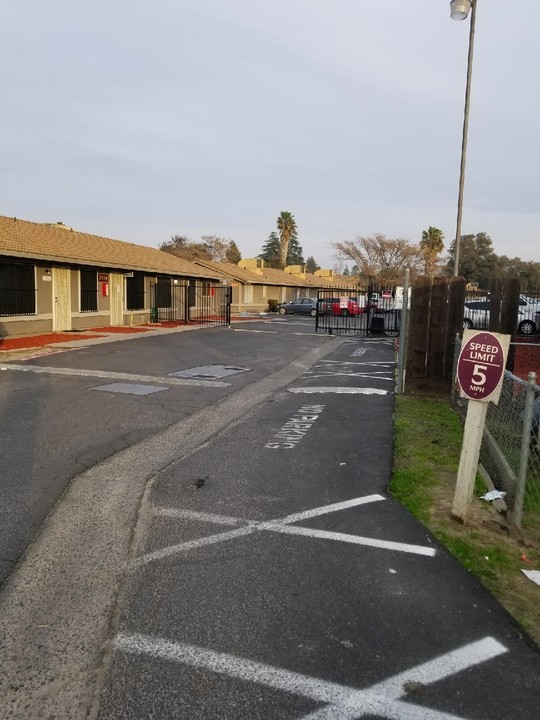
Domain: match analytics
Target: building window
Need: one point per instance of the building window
(89, 291)
(135, 292)
(17, 288)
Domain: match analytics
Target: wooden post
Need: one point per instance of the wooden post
(468, 461)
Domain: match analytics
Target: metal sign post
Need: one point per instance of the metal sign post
(480, 372)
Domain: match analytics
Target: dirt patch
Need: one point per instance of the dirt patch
(489, 546)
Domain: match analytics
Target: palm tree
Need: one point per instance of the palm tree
(432, 245)
(286, 225)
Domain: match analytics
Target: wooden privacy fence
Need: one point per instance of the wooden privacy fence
(436, 317)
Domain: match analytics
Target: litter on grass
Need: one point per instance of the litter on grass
(533, 575)
(492, 495)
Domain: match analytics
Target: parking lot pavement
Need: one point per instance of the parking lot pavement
(276, 579)
(64, 412)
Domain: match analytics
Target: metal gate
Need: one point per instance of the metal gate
(190, 302)
(368, 310)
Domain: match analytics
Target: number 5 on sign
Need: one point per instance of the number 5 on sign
(480, 373)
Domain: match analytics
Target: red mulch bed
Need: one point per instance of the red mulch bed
(34, 341)
(120, 329)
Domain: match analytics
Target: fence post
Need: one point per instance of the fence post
(403, 335)
(525, 449)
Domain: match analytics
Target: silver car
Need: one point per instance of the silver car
(476, 315)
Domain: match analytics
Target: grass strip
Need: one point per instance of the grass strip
(427, 446)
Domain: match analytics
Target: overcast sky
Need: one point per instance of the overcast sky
(138, 120)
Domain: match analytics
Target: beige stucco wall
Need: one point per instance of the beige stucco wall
(29, 326)
(44, 286)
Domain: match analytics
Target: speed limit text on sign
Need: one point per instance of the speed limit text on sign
(481, 365)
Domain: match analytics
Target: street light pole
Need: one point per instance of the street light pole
(461, 14)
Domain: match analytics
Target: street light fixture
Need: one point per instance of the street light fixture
(459, 10)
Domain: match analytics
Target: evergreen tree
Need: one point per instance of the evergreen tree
(233, 254)
(271, 250)
(295, 255)
(311, 265)
(477, 259)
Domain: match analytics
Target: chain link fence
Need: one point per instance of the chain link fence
(510, 454)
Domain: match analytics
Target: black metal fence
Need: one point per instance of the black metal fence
(370, 310)
(185, 302)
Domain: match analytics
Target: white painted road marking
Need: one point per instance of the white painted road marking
(356, 540)
(194, 515)
(383, 363)
(349, 368)
(38, 369)
(338, 390)
(382, 375)
(342, 702)
(326, 509)
(290, 434)
(279, 525)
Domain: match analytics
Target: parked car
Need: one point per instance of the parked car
(476, 315)
(302, 306)
(332, 306)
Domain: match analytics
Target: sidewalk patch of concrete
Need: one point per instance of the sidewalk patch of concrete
(129, 389)
(209, 372)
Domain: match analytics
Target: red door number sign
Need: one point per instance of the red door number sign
(481, 364)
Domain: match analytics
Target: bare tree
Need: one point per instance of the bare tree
(380, 258)
(216, 247)
(211, 247)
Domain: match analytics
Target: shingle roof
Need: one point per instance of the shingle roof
(21, 238)
(269, 276)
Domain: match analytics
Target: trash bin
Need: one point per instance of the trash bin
(376, 324)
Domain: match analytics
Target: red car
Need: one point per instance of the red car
(334, 306)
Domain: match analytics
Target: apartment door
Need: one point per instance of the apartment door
(116, 286)
(61, 299)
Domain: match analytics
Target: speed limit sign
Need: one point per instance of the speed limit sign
(480, 372)
(481, 365)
